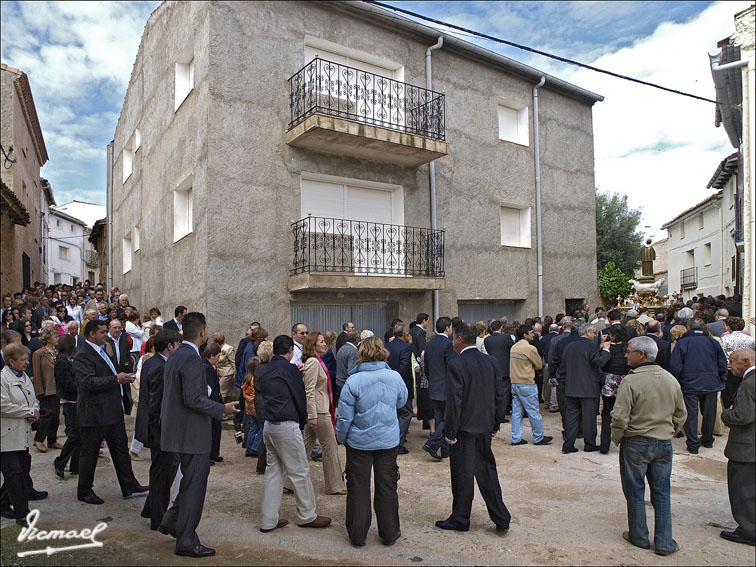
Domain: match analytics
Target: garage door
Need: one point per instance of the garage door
(331, 317)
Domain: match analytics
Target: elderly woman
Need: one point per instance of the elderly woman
(19, 409)
(43, 370)
(138, 335)
(732, 340)
(320, 419)
(156, 317)
(226, 368)
(368, 426)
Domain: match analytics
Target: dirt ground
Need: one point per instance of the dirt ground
(566, 509)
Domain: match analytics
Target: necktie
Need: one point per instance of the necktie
(107, 359)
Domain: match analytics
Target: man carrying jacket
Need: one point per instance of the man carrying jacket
(699, 364)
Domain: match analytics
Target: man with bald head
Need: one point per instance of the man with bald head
(740, 450)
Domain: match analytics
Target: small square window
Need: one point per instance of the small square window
(64, 253)
(513, 125)
(700, 221)
(182, 210)
(515, 226)
(127, 252)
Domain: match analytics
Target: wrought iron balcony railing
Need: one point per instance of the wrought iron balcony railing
(337, 90)
(92, 258)
(689, 278)
(326, 245)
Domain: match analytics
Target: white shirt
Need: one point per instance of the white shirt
(297, 358)
(138, 336)
(468, 348)
(179, 325)
(76, 313)
(195, 347)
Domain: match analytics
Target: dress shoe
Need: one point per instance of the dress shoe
(693, 451)
(520, 442)
(431, 452)
(197, 551)
(626, 536)
(392, 541)
(318, 522)
(58, 472)
(707, 445)
(505, 420)
(139, 489)
(590, 449)
(339, 493)
(165, 531)
(403, 450)
(287, 490)
(736, 537)
(55, 445)
(135, 456)
(449, 525)
(145, 514)
(603, 452)
(666, 552)
(571, 450)
(8, 513)
(502, 529)
(547, 439)
(553, 411)
(281, 523)
(218, 459)
(37, 494)
(40, 447)
(251, 454)
(680, 435)
(92, 499)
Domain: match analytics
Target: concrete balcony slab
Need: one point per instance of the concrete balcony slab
(333, 282)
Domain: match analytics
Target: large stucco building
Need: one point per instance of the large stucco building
(272, 158)
(24, 195)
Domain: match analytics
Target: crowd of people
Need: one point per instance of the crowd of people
(650, 375)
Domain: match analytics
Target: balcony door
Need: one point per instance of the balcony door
(369, 238)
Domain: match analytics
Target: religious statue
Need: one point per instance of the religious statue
(648, 255)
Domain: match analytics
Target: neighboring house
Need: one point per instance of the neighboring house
(702, 251)
(23, 199)
(271, 160)
(733, 69)
(98, 259)
(89, 213)
(65, 247)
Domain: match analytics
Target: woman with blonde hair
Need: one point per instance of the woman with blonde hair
(321, 420)
(43, 370)
(369, 428)
(226, 368)
(265, 355)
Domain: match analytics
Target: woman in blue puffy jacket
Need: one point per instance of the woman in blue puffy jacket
(367, 425)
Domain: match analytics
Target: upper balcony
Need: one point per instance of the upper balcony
(342, 110)
(333, 254)
(92, 258)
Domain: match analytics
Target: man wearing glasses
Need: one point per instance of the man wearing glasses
(298, 333)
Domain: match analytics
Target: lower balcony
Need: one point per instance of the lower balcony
(332, 254)
(689, 278)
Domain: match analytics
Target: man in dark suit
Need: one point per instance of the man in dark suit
(556, 367)
(342, 339)
(615, 318)
(117, 348)
(474, 410)
(187, 411)
(73, 330)
(102, 403)
(163, 465)
(654, 330)
(400, 359)
(582, 361)
(175, 324)
(741, 457)
(418, 334)
(498, 345)
(438, 353)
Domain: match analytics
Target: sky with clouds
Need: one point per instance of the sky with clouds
(658, 148)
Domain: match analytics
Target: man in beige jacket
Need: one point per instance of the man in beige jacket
(524, 360)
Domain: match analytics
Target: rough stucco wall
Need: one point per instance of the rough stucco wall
(174, 146)
(18, 239)
(251, 181)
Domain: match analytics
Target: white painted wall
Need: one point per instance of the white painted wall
(68, 234)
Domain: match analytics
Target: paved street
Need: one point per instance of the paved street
(567, 509)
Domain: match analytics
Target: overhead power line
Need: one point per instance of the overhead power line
(539, 52)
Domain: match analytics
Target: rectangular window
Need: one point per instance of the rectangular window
(707, 254)
(57, 222)
(135, 238)
(184, 75)
(513, 125)
(690, 259)
(72, 227)
(137, 139)
(128, 160)
(515, 226)
(182, 210)
(700, 221)
(127, 251)
(64, 253)
(682, 230)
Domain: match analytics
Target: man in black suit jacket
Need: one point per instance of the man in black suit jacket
(498, 345)
(615, 318)
(342, 339)
(582, 361)
(400, 359)
(556, 366)
(438, 353)
(117, 348)
(176, 324)
(186, 415)
(418, 334)
(474, 410)
(101, 405)
(654, 330)
(162, 465)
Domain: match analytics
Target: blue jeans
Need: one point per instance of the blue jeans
(254, 434)
(526, 396)
(641, 458)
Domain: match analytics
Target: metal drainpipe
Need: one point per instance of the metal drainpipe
(539, 241)
(110, 211)
(432, 165)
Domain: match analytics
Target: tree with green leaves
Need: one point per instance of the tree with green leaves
(617, 237)
(613, 282)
